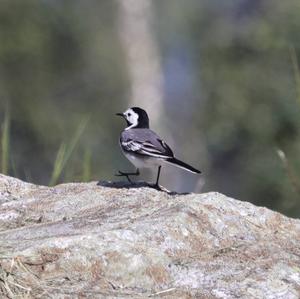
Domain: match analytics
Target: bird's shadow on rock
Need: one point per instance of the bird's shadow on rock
(134, 185)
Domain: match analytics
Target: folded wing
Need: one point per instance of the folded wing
(156, 148)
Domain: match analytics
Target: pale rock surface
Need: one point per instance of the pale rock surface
(105, 240)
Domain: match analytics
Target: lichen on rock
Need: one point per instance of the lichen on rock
(113, 240)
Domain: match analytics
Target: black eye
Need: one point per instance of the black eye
(129, 114)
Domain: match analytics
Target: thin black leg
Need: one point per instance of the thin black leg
(127, 174)
(157, 178)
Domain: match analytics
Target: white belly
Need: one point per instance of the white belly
(143, 162)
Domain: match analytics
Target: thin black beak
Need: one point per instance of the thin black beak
(120, 114)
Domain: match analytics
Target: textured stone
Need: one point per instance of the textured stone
(105, 240)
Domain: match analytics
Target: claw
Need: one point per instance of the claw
(120, 173)
(156, 186)
(127, 174)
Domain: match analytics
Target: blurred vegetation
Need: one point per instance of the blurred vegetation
(65, 152)
(5, 144)
(231, 82)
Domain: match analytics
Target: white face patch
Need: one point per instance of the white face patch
(131, 117)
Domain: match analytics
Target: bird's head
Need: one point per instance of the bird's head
(136, 118)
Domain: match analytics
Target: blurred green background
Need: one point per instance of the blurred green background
(219, 79)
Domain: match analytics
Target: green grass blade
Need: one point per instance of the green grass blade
(65, 152)
(86, 172)
(294, 180)
(75, 139)
(14, 169)
(58, 164)
(295, 65)
(5, 144)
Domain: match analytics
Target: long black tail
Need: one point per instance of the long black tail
(182, 165)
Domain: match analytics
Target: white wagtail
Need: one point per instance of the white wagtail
(143, 147)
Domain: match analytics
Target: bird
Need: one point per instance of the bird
(143, 147)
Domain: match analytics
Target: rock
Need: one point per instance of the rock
(106, 240)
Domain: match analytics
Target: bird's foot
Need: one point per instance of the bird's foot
(127, 174)
(156, 186)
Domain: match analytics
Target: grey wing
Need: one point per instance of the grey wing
(147, 144)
